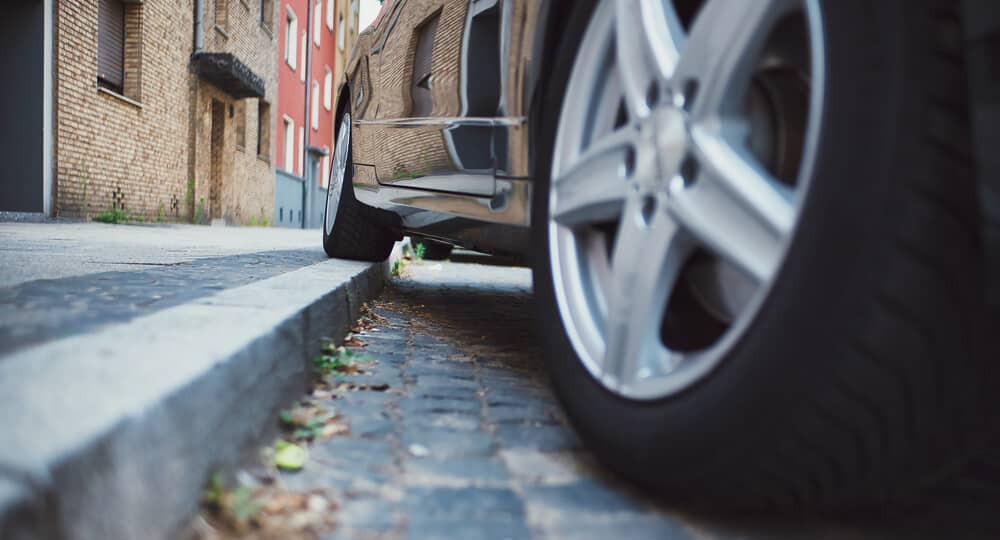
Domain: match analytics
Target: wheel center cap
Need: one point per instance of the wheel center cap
(671, 139)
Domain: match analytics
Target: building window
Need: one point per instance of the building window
(266, 13)
(329, 14)
(302, 72)
(315, 105)
(263, 130)
(241, 124)
(340, 32)
(289, 161)
(222, 14)
(119, 47)
(291, 31)
(317, 25)
(354, 13)
(111, 45)
(328, 89)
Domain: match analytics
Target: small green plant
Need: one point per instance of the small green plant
(419, 251)
(214, 490)
(199, 211)
(238, 503)
(189, 197)
(397, 268)
(340, 360)
(160, 213)
(253, 221)
(113, 216)
(264, 222)
(305, 424)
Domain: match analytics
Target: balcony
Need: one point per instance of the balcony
(226, 71)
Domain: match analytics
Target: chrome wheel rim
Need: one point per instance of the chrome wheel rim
(338, 171)
(683, 153)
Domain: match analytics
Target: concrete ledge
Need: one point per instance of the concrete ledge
(113, 434)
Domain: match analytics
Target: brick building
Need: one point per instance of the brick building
(136, 112)
(310, 61)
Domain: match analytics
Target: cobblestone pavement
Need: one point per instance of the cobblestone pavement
(454, 434)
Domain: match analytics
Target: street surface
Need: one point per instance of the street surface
(32, 251)
(58, 279)
(454, 434)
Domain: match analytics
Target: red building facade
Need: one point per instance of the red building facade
(299, 45)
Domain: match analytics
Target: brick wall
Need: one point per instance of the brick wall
(140, 149)
(110, 150)
(248, 179)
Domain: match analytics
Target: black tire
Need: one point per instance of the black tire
(433, 250)
(357, 233)
(863, 377)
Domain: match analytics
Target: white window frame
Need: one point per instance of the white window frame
(300, 170)
(341, 38)
(329, 14)
(325, 171)
(317, 21)
(288, 163)
(291, 36)
(305, 44)
(327, 89)
(315, 105)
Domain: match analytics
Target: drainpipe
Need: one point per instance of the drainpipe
(308, 188)
(199, 42)
(199, 38)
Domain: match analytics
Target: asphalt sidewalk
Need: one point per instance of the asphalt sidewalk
(128, 352)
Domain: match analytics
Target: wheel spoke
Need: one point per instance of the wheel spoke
(735, 207)
(593, 190)
(648, 255)
(648, 39)
(721, 51)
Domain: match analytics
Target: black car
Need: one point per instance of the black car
(755, 225)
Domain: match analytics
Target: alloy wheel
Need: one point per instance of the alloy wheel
(682, 157)
(339, 171)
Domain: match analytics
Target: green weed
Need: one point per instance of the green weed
(113, 216)
(340, 360)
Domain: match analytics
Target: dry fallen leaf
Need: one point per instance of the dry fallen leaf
(333, 429)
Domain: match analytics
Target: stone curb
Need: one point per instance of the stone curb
(112, 434)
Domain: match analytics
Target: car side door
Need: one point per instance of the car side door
(437, 96)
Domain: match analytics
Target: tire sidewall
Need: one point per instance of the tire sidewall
(790, 349)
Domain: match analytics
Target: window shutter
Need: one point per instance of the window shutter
(111, 44)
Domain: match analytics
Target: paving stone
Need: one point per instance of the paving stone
(585, 500)
(468, 530)
(423, 405)
(529, 466)
(442, 381)
(520, 414)
(472, 503)
(456, 472)
(548, 437)
(643, 527)
(368, 513)
(452, 421)
(443, 443)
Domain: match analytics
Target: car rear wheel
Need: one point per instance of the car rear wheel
(349, 230)
(757, 253)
